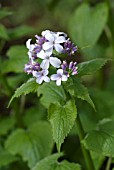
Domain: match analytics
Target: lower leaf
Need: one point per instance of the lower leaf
(62, 119)
(32, 144)
(101, 140)
(51, 163)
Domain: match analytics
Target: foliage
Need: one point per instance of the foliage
(46, 114)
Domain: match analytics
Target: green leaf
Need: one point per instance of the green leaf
(51, 93)
(6, 124)
(32, 144)
(26, 88)
(51, 163)
(101, 140)
(17, 59)
(62, 119)
(5, 157)
(90, 67)
(98, 159)
(87, 23)
(76, 89)
(3, 32)
(34, 114)
(4, 12)
(21, 31)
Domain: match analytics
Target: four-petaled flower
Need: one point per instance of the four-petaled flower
(54, 41)
(60, 76)
(41, 76)
(47, 59)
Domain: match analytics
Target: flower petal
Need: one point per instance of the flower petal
(64, 78)
(45, 72)
(28, 43)
(60, 39)
(45, 64)
(41, 54)
(60, 71)
(54, 77)
(55, 62)
(39, 80)
(36, 74)
(46, 79)
(45, 32)
(58, 82)
(58, 48)
(61, 33)
(49, 37)
(47, 45)
(30, 55)
(30, 46)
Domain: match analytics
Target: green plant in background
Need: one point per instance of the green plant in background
(25, 133)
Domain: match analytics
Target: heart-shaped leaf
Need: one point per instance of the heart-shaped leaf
(62, 119)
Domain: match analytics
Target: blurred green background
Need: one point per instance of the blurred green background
(90, 25)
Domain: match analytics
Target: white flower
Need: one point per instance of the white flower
(47, 59)
(30, 47)
(54, 41)
(59, 77)
(41, 76)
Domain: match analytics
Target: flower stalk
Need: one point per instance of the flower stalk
(86, 153)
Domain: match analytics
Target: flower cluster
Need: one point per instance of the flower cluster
(44, 54)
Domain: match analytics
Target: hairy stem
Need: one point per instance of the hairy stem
(86, 153)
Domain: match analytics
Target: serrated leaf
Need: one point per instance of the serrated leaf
(51, 93)
(5, 157)
(90, 67)
(87, 23)
(6, 124)
(51, 163)
(4, 12)
(101, 140)
(77, 89)
(3, 32)
(62, 119)
(32, 144)
(26, 88)
(17, 59)
(21, 31)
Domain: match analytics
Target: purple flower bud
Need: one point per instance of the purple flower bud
(74, 71)
(30, 67)
(64, 65)
(69, 47)
(73, 68)
(39, 42)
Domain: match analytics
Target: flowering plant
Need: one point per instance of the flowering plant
(45, 52)
(46, 65)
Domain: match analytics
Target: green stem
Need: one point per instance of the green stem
(86, 153)
(109, 163)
